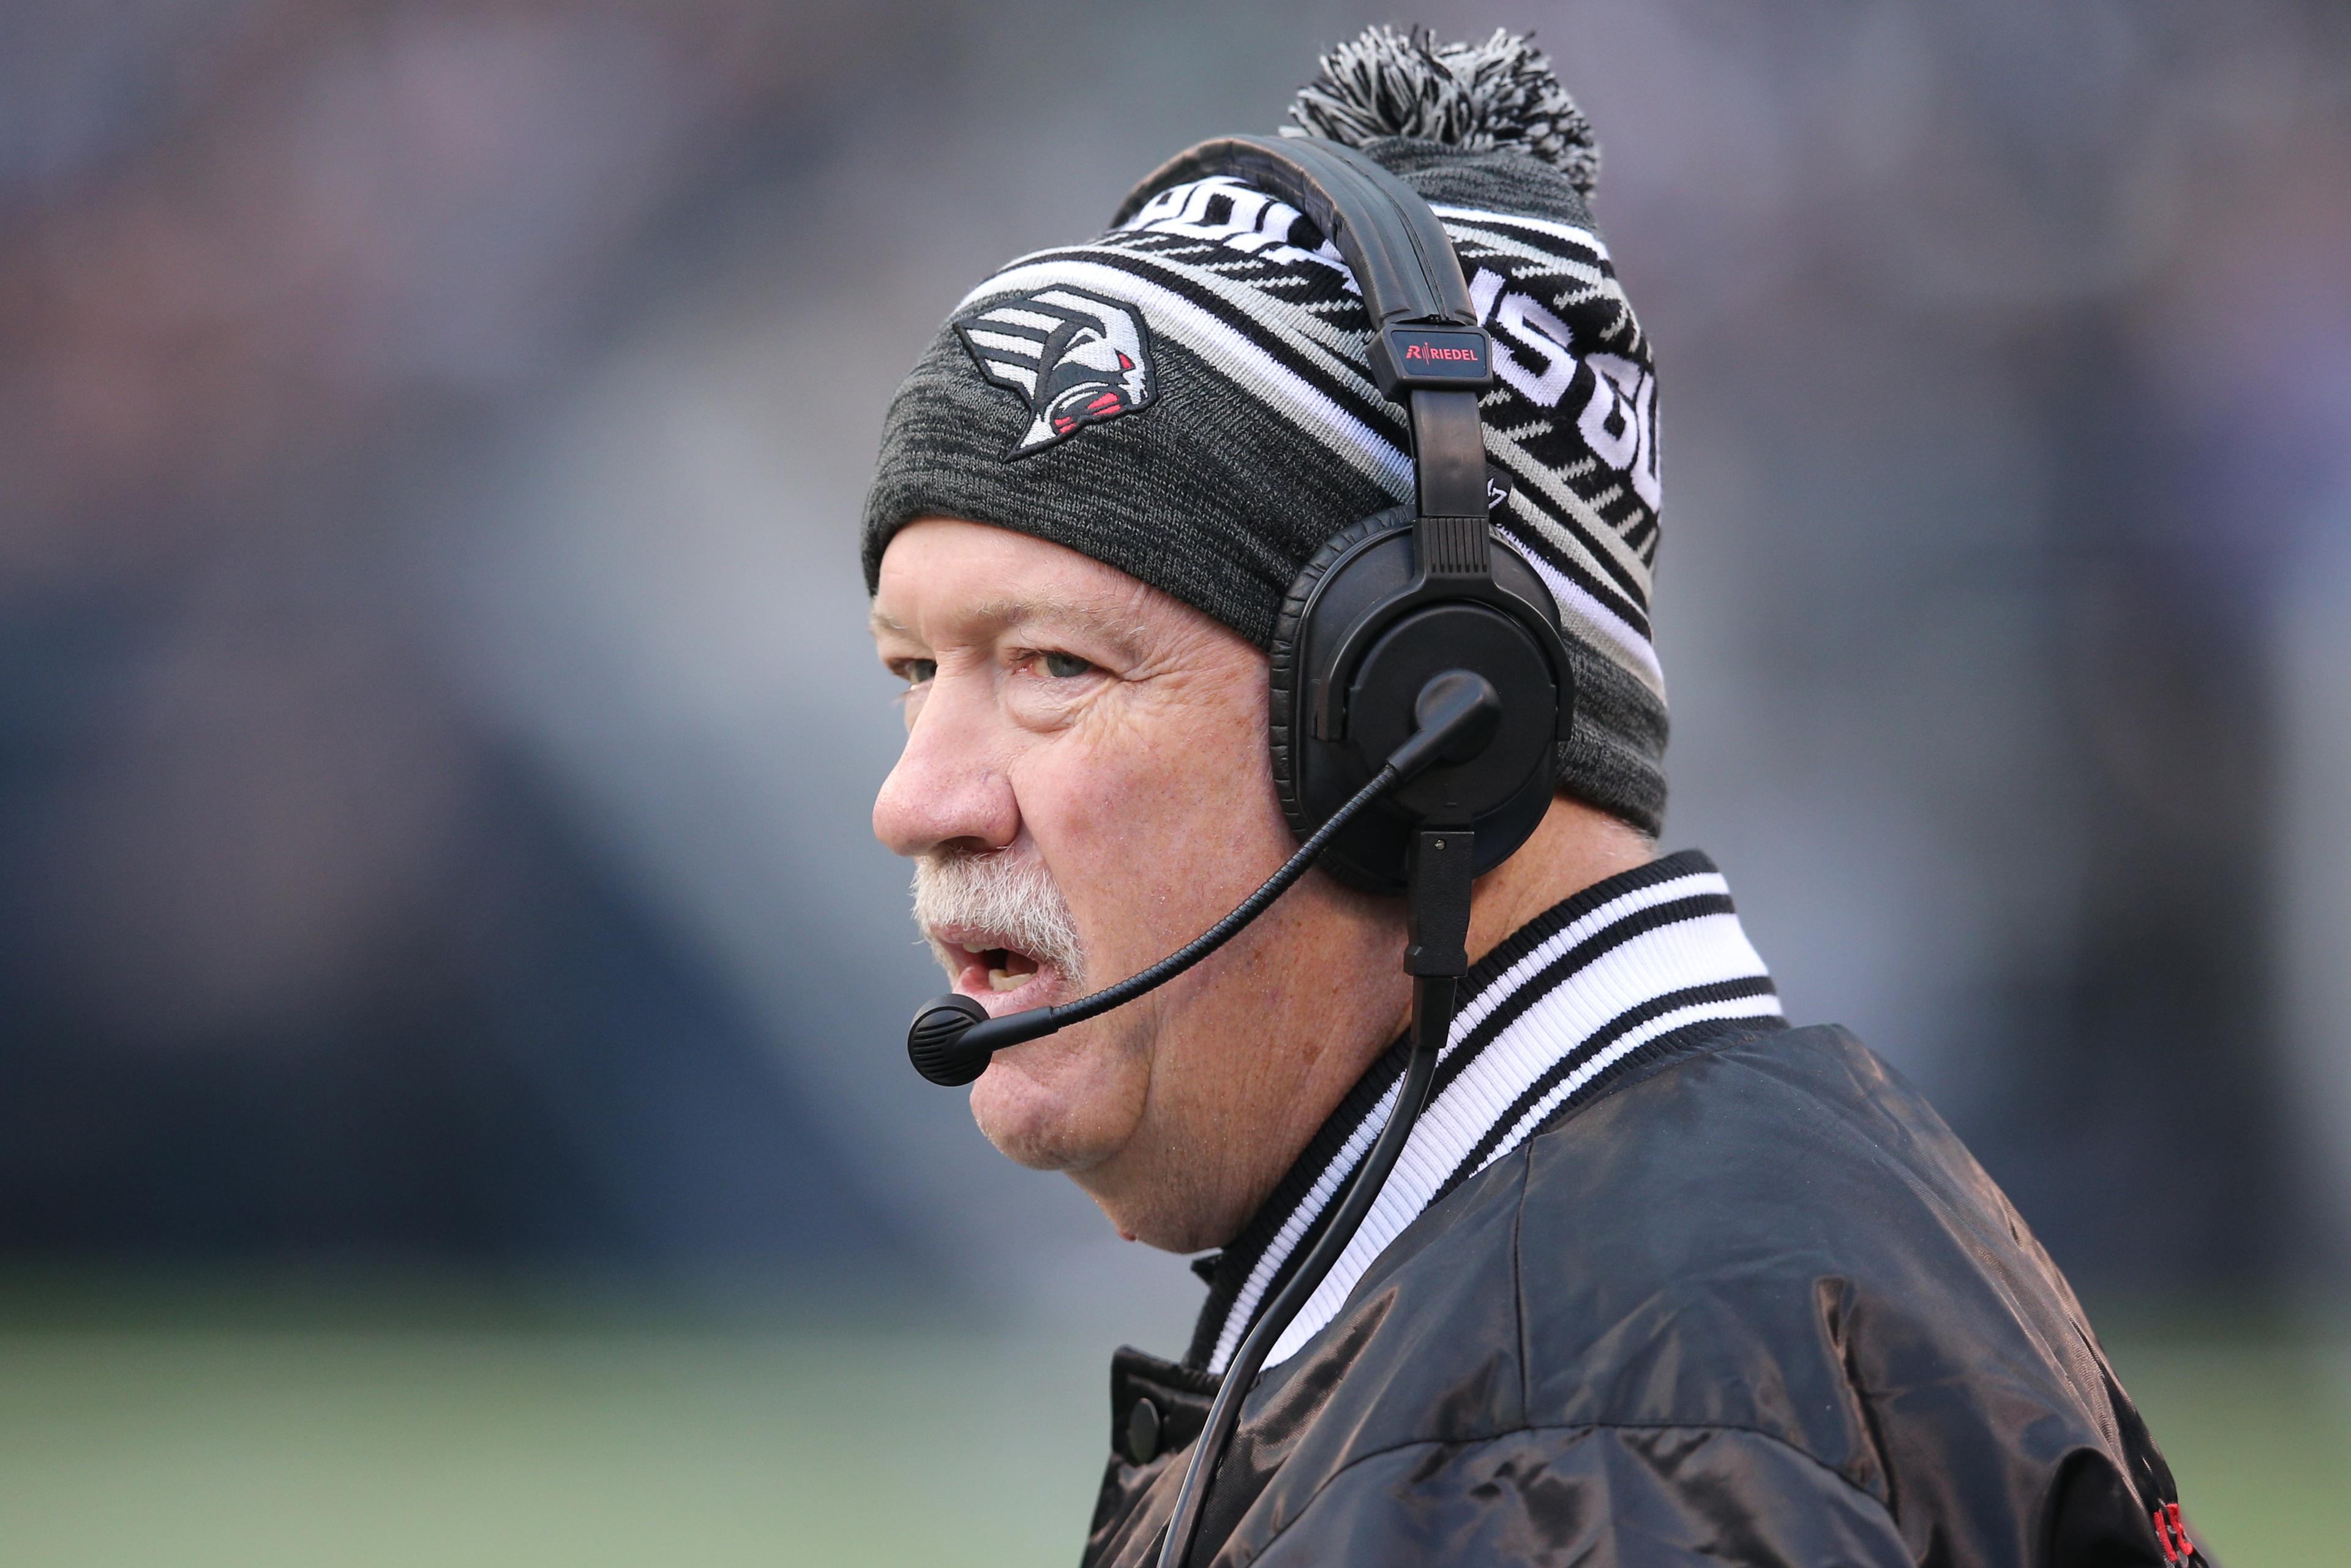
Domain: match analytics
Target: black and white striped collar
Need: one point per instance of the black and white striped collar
(1641, 965)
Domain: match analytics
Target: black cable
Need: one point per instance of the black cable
(1224, 930)
(1433, 1001)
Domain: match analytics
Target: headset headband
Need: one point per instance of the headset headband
(1428, 350)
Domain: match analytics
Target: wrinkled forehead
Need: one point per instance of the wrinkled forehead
(950, 579)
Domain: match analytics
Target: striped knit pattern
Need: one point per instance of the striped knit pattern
(1637, 969)
(1248, 430)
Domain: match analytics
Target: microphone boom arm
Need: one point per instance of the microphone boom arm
(953, 1036)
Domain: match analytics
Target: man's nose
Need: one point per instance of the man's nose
(949, 786)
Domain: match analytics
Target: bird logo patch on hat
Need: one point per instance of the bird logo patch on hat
(1076, 358)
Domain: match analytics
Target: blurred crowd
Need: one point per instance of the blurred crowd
(436, 731)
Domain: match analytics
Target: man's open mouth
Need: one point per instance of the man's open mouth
(1007, 969)
(1002, 978)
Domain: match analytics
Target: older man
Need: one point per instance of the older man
(1656, 1278)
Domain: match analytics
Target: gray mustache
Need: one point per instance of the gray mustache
(1012, 897)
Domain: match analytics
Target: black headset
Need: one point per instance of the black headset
(1420, 691)
(1408, 593)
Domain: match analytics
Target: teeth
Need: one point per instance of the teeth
(997, 980)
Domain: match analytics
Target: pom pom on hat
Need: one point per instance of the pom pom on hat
(1499, 93)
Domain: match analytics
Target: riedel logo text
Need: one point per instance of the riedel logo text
(1434, 351)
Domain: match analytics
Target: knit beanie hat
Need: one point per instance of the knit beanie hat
(1186, 397)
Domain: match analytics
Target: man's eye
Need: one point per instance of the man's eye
(917, 671)
(1065, 667)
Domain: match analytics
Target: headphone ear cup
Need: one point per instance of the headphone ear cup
(1284, 675)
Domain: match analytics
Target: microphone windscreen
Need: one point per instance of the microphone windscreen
(935, 1045)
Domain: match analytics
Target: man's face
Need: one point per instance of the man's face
(1084, 788)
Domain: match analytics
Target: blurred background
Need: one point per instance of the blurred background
(451, 1104)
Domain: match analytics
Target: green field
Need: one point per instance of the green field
(515, 1443)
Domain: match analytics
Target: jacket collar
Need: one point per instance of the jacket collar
(1626, 970)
